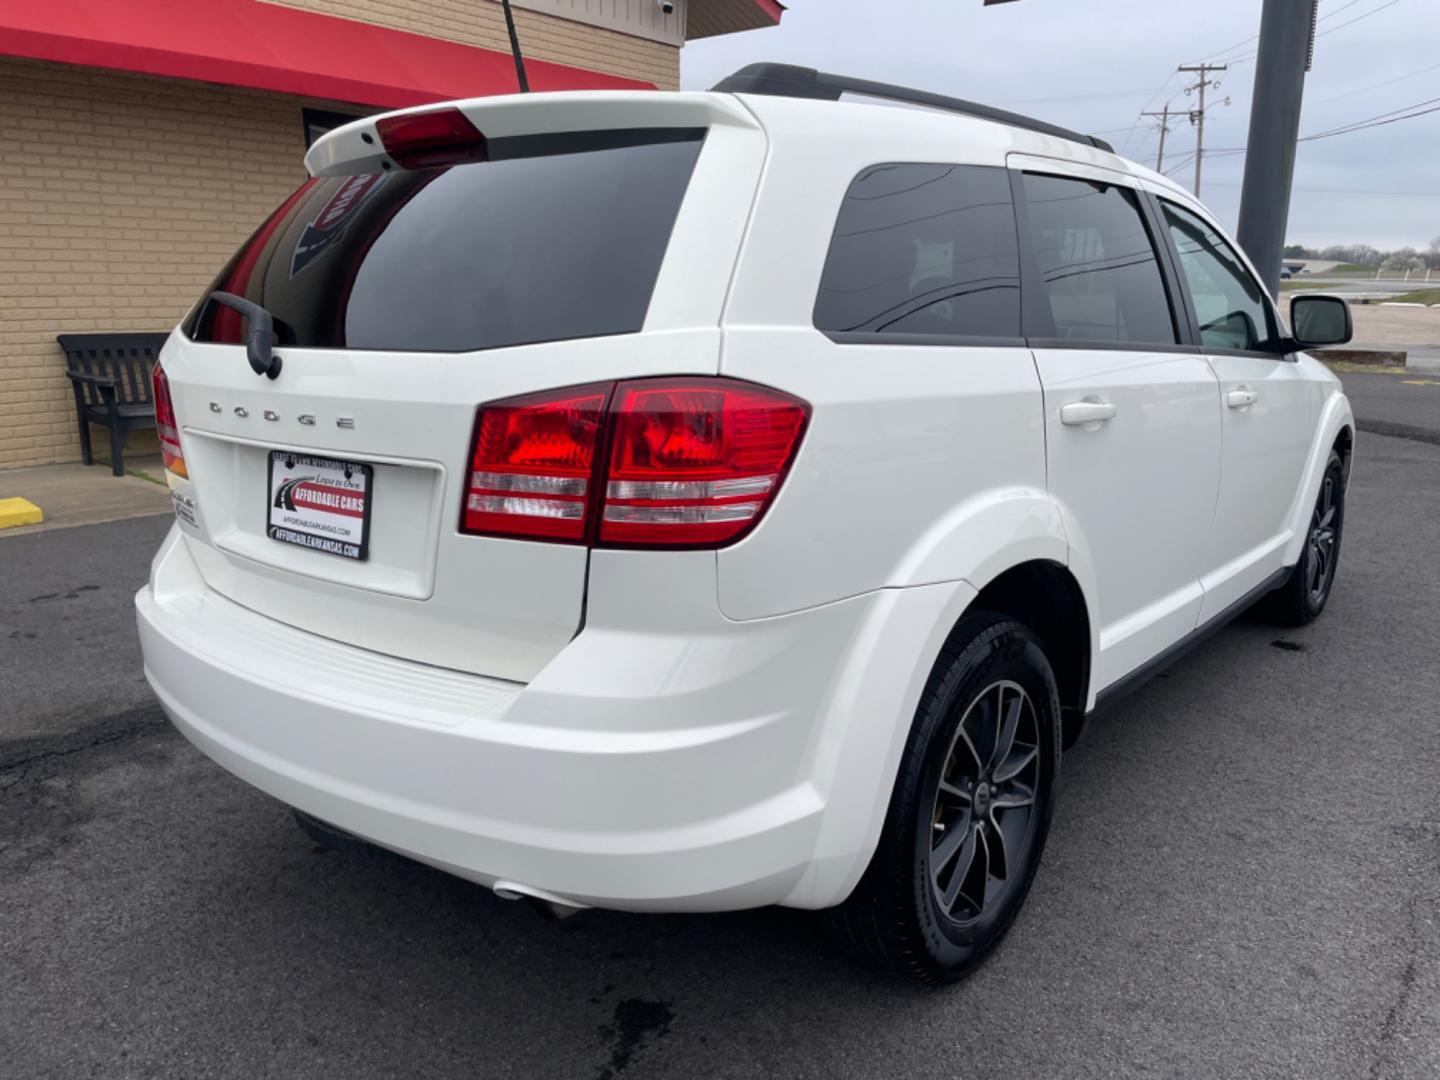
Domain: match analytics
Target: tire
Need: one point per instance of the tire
(341, 842)
(991, 668)
(1301, 599)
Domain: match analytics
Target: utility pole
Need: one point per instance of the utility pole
(1164, 115)
(1287, 41)
(1197, 116)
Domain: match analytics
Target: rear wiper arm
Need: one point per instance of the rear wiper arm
(259, 350)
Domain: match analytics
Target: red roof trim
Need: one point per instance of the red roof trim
(266, 46)
(771, 8)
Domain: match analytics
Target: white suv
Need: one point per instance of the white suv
(695, 501)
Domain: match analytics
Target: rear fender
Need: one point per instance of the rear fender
(872, 704)
(984, 537)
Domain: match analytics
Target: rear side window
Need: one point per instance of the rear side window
(1101, 275)
(926, 250)
(555, 237)
(1230, 304)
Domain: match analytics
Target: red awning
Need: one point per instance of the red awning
(269, 47)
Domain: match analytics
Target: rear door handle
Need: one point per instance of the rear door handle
(1238, 399)
(1089, 411)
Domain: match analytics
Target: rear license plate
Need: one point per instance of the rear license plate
(320, 503)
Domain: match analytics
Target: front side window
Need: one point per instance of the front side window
(924, 250)
(1230, 305)
(1101, 275)
(554, 237)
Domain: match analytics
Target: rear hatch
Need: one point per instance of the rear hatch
(587, 237)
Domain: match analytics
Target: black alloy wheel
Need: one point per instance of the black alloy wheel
(970, 809)
(983, 812)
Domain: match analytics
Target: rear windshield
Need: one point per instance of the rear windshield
(555, 237)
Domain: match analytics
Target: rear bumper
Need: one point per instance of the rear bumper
(686, 767)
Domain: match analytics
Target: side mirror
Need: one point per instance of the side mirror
(1320, 320)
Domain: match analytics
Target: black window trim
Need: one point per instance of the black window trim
(894, 337)
(1173, 253)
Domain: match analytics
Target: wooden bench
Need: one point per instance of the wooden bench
(110, 374)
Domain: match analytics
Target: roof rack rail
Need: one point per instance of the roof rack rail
(788, 80)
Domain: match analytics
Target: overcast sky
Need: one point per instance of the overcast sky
(1094, 65)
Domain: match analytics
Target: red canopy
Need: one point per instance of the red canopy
(269, 47)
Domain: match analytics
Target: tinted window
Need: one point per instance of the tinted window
(555, 237)
(1101, 276)
(924, 249)
(1230, 305)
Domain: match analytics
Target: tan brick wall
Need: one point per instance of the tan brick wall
(482, 22)
(121, 195)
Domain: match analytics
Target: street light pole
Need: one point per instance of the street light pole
(1287, 30)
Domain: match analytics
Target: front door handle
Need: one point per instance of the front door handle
(1239, 399)
(1089, 411)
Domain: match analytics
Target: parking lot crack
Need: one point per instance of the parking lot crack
(16, 754)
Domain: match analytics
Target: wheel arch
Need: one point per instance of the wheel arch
(1344, 445)
(1334, 430)
(1047, 597)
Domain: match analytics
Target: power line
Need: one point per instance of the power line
(1248, 40)
(1371, 121)
(1347, 129)
(1131, 133)
(1375, 124)
(1345, 191)
(1409, 112)
(1358, 18)
(1071, 97)
(1337, 11)
(1377, 86)
(1249, 56)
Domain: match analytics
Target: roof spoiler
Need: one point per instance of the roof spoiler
(788, 80)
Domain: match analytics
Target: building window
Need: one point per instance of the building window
(319, 122)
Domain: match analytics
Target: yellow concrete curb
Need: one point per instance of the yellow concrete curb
(19, 512)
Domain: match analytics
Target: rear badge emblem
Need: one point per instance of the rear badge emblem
(241, 411)
(346, 422)
(271, 415)
(307, 419)
(215, 406)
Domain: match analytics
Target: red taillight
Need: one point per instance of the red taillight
(166, 425)
(532, 462)
(695, 462)
(426, 139)
(688, 462)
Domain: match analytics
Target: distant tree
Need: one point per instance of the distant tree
(1359, 254)
(1300, 251)
(1406, 258)
(1432, 257)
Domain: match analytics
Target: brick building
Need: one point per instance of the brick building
(145, 139)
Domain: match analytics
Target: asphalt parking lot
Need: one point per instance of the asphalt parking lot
(1243, 880)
